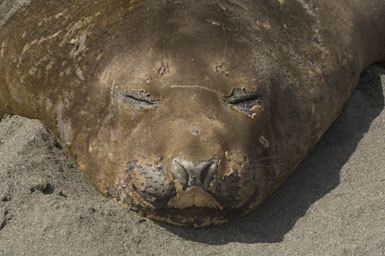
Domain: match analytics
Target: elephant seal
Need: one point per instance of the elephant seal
(188, 112)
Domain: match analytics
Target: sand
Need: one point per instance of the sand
(334, 204)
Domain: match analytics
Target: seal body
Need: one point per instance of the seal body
(187, 112)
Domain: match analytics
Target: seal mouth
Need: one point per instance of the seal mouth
(193, 197)
(188, 193)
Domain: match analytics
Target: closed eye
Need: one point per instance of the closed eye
(243, 100)
(136, 98)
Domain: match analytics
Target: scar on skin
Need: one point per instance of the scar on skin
(64, 126)
(2, 50)
(79, 73)
(264, 142)
(266, 25)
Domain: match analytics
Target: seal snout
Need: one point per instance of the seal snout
(192, 183)
(181, 191)
(187, 174)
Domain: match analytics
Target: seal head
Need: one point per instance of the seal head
(186, 122)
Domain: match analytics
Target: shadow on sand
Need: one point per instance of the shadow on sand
(317, 175)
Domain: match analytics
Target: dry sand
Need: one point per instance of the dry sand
(334, 204)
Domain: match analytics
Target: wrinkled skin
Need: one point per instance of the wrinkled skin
(187, 112)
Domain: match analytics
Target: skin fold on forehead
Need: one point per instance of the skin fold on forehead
(201, 53)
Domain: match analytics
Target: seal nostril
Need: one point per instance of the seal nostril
(207, 175)
(178, 172)
(204, 174)
(188, 174)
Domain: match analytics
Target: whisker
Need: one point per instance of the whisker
(270, 165)
(266, 158)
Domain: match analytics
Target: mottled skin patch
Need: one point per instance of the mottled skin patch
(127, 86)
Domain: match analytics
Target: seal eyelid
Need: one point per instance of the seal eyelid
(241, 95)
(137, 98)
(243, 100)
